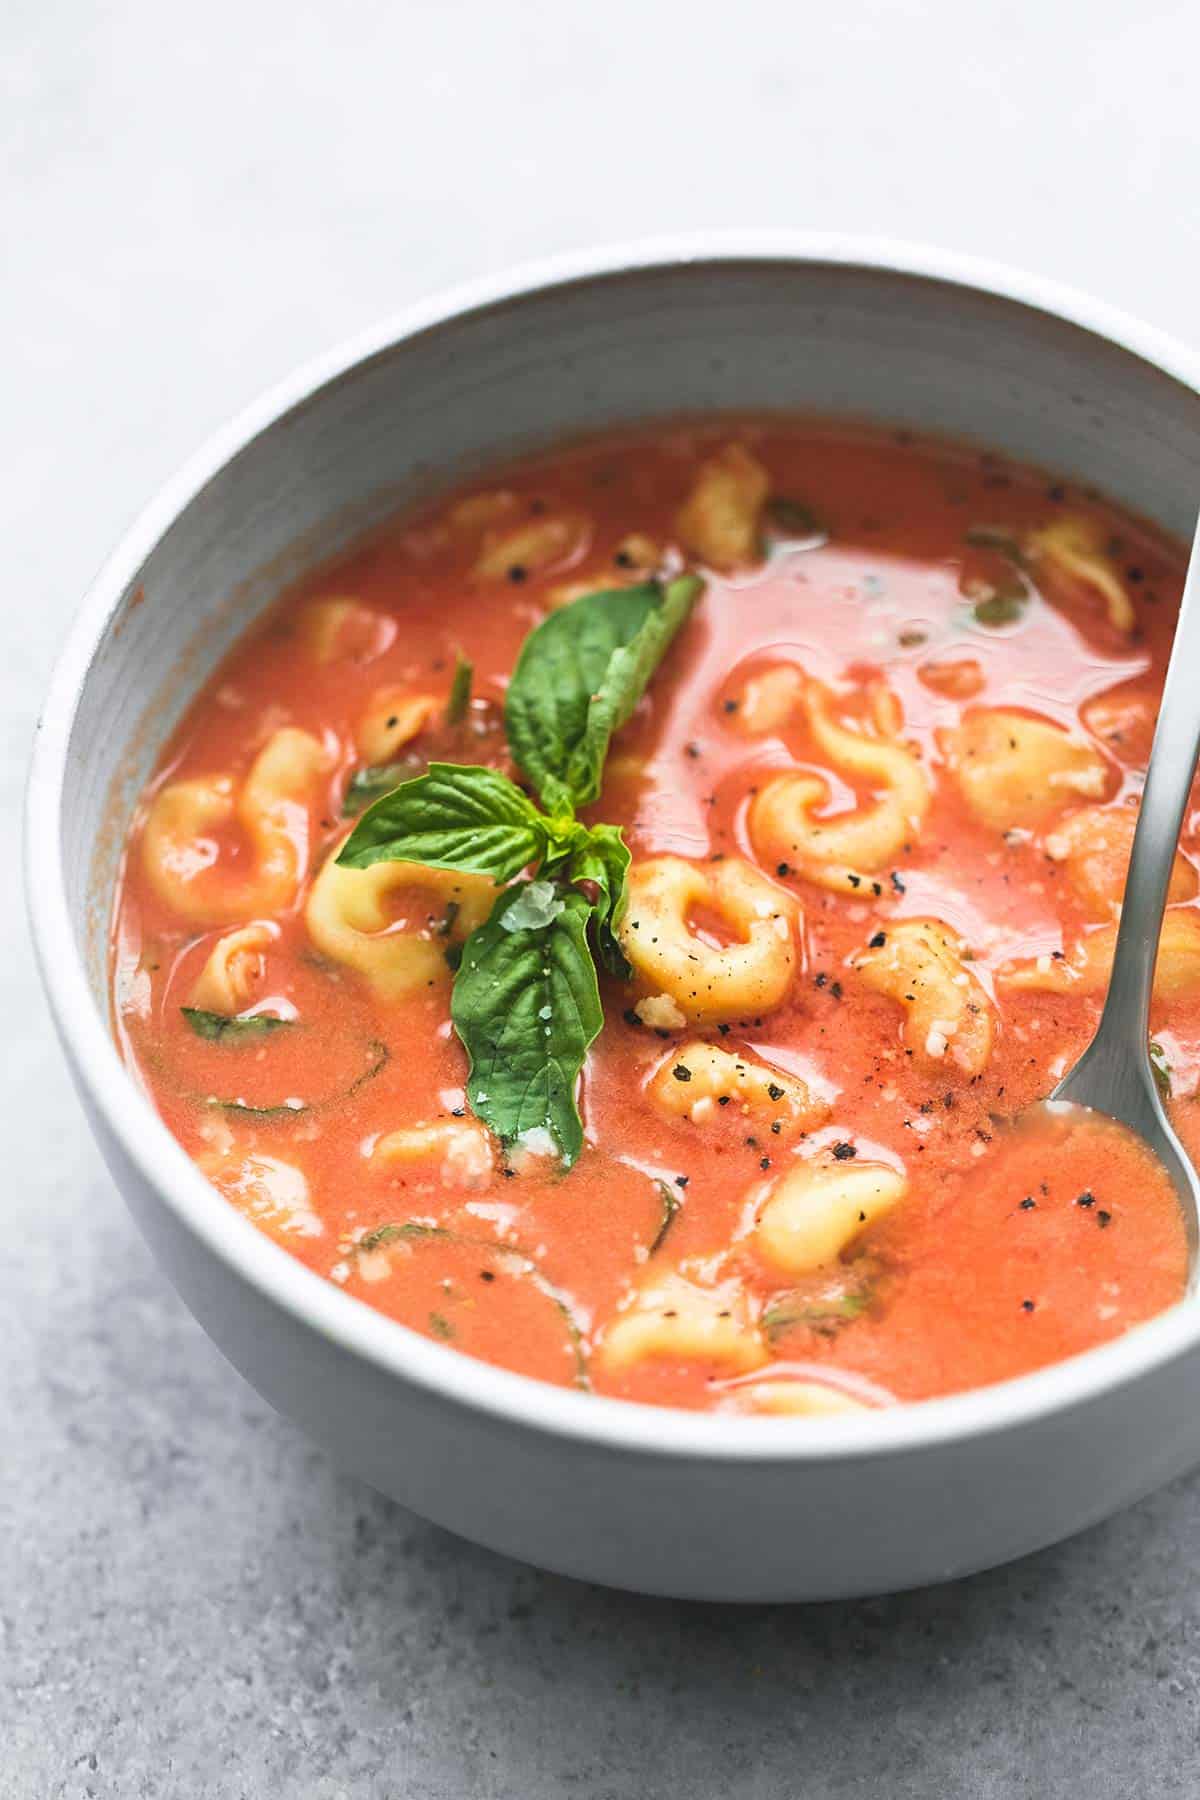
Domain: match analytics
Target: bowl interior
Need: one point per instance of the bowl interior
(506, 375)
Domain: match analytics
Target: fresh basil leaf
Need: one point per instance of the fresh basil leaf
(455, 817)
(1161, 1069)
(526, 1007)
(578, 678)
(460, 690)
(218, 1028)
(603, 857)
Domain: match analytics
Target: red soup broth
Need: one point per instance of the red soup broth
(948, 667)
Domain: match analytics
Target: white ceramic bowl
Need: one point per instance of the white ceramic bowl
(662, 1501)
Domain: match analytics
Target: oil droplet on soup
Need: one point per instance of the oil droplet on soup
(879, 796)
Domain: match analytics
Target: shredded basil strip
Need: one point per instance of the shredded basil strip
(219, 1028)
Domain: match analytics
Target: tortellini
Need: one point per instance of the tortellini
(819, 1207)
(393, 719)
(536, 547)
(461, 1150)
(1088, 967)
(235, 966)
(920, 964)
(1016, 770)
(349, 920)
(1124, 719)
(637, 558)
(697, 1079)
(674, 1319)
(720, 523)
(769, 699)
(478, 512)
(639, 555)
(843, 850)
(343, 629)
(272, 1194)
(272, 807)
(710, 982)
(798, 1399)
(1070, 553)
(1093, 845)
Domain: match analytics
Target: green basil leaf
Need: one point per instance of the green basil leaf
(579, 677)
(219, 1028)
(455, 817)
(603, 857)
(527, 1008)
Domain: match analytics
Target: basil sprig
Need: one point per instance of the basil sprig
(526, 1003)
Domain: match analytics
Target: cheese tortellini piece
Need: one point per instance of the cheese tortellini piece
(1016, 770)
(272, 1194)
(819, 1207)
(673, 1319)
(1089, 966)
(720, 522)
(920, 964)
(394, 717)
(235, 967)
(1071, 554)
(1123, 718)
(536, 547)
(842, 851)
(697, 1079)
(479, 512)
(461, 1150)
(769, 699)
(272, 807)
(797, 1399)
(706, 982)
(343, 629)
(638, 557)
(1094, 844)
(350, 920)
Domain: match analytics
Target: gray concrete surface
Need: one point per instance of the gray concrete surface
(192, 1601)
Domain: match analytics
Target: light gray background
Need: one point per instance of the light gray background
(192, 1601)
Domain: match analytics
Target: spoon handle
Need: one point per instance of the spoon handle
(1126, 1014)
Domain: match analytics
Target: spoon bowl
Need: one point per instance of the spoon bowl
(1115, 1076)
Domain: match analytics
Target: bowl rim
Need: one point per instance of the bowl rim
(517, 1401)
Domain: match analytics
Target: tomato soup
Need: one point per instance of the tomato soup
(610, 921)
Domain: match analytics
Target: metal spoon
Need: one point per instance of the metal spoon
(1114, 1075)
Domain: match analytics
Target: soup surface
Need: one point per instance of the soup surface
(879, 792)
